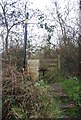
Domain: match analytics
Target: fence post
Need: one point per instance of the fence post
(58, 64)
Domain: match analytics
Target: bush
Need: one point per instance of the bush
(25, 98)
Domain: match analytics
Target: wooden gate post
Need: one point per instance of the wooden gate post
(59, 63)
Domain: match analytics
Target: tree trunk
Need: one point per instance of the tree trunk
(6, 44)
(79, 37)
(6, 58)
(80, 54)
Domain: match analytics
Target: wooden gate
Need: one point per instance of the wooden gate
(42, 66)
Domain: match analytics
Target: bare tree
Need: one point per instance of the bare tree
(11, 15)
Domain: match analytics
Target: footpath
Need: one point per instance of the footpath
(65, 103)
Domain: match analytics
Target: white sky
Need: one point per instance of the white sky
(41, 4)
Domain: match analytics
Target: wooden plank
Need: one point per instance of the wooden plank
(34, 65)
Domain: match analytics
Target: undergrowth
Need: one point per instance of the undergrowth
(24, 99)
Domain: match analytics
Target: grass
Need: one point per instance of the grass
(71, 87)
(73, 112)
(36, 99)
(31, 100)
(18, 112)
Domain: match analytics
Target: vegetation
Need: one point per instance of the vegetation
(56, 35)
(26, 99)
(72, 87)
(29, 100)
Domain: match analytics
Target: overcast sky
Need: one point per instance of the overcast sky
(42, 4)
